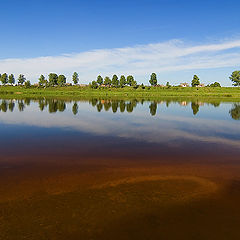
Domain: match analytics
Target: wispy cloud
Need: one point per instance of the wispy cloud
(141, 60)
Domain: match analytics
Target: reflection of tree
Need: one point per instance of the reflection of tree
(195, 108)
(75, 108)
(114, 106)
(122, 106)
(41, 105)
(129, 107)
(11, 106)
(235, 111)
(4, 106)
(107, 105)
(21, 106)
(94, 102)
(216, 104)
(153, 108)
(99, 107)
(52, 106)
(61, 106)
(27, 101)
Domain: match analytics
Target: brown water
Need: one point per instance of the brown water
(108, 169)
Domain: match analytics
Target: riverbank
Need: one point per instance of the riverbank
(227, 93)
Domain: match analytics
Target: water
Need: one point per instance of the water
(116, 169)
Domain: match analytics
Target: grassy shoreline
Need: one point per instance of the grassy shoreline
(77, 92)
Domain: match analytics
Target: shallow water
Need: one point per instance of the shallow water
(115, 169)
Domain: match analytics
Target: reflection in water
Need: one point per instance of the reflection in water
(55, 105)
(235, 112)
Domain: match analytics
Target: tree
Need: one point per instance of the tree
(75, 78)
(115, 81)
(99, 80)
(11, 79)
(195, 81)
(94, 85)
(42, 81)
(61, 80)
(53, 79)
(4, 79)
(21, 79)
(122, 81)
(27, 84)
(235, 78)
(216, 84)
(131, 81)
(153, 79)
(107, 81)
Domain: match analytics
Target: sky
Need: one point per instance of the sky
(174, 38)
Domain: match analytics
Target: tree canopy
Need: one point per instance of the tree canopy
(75, 78)
(153, 79)
(195, 81)
(21, 79)
(235, 78)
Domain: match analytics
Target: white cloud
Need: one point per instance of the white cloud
(141, 60)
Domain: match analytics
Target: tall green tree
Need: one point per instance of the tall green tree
(235, 78)
(53, 79)
(42, 81)
(153, 79)
(115, 81)
(100, 80)
(21, 79)
(107, 81)
(94, 85)
(75, 78)
(122, 81)
(131, 81)
(195, 81)
(11, 79)
(61, 80)
(27, 84)
(4, 78)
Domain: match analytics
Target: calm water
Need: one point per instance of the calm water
(109, 169)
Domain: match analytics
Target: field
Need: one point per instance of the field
(126, 92)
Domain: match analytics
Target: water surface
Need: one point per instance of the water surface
(119, 169)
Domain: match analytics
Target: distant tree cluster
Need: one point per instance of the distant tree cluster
(114, 82)
(10, 79)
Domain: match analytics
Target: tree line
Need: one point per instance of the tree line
(61, 80)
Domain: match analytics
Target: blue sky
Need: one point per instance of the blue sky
(33, 30)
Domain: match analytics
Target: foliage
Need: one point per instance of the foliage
(4, 78)
(153, 79)
(115, 81)
(27, 84)
(153, 108)
(11, 79)
(107, 81)
(195, 81)
(195, 108)
(235, 78)
(131, 81)
(75, 108)
(42, 81)
(21, 79)
(122, 81)
(100, 80)
(53, 79)
(216, 84)
(94, 85)
(61, 80)
(75, 78)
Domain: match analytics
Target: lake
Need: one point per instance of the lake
(119, 169)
